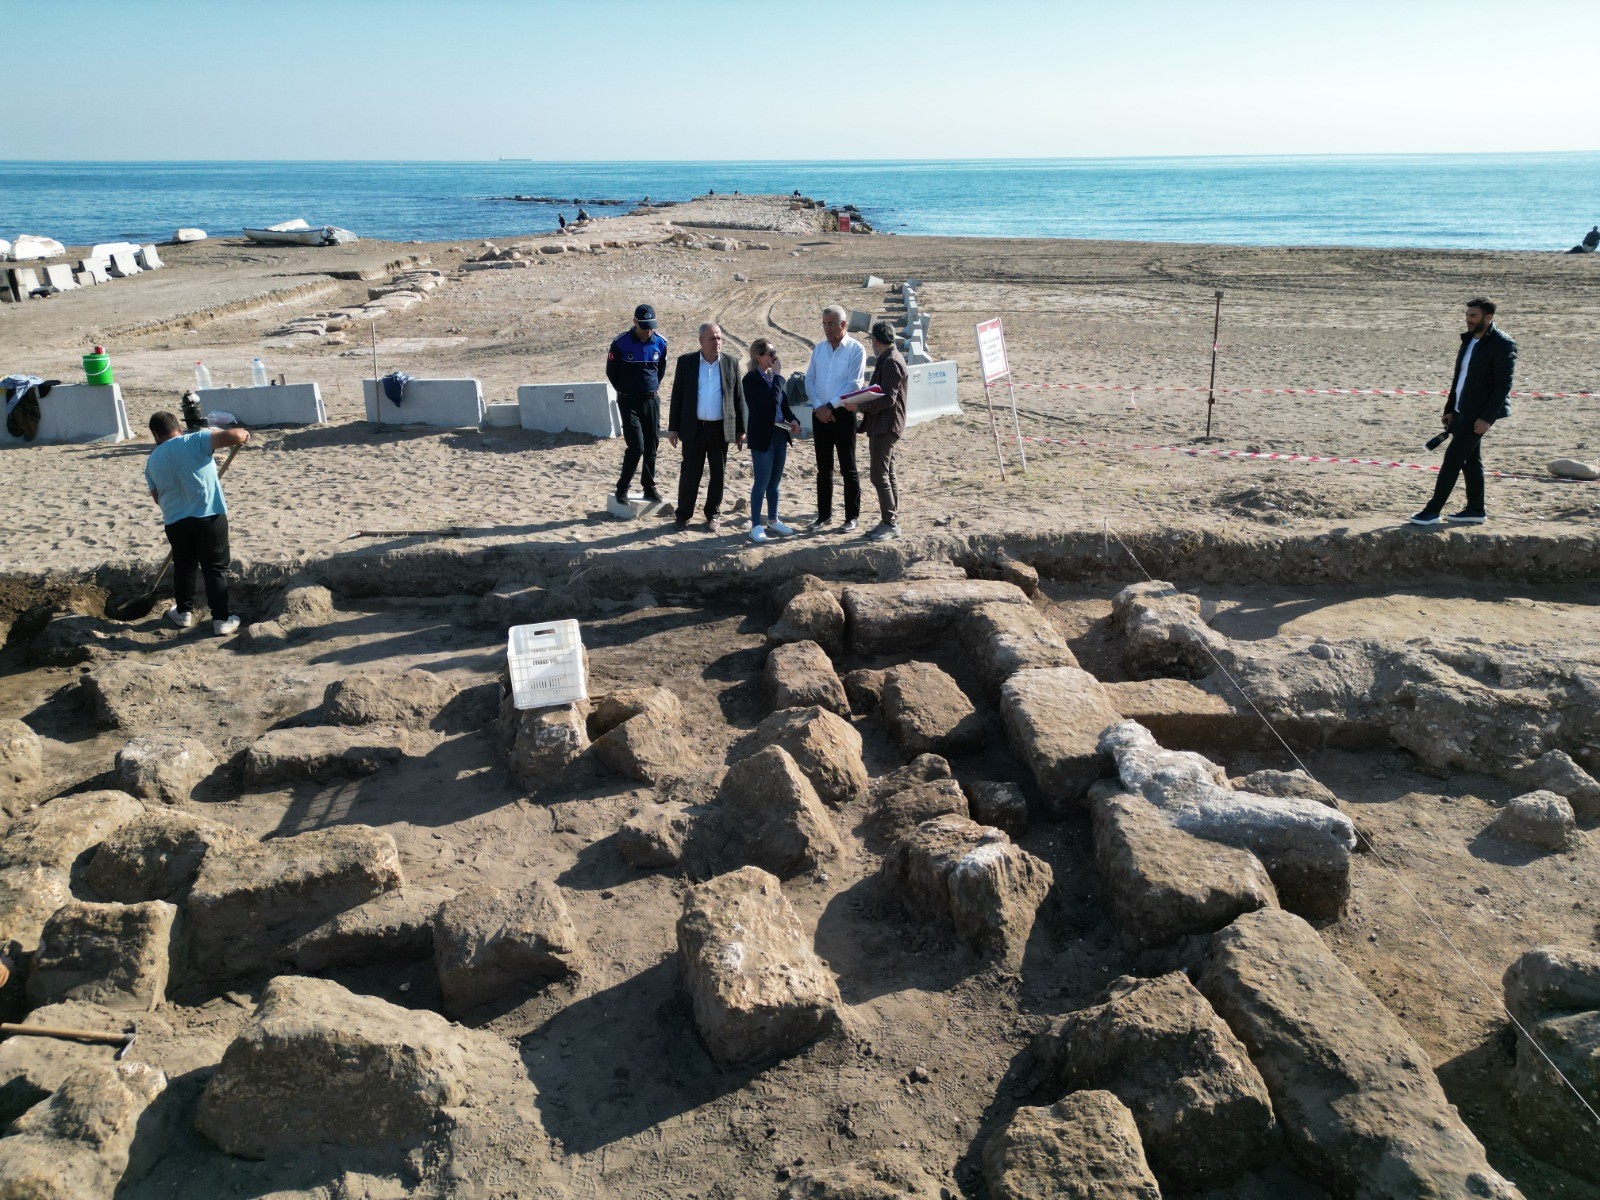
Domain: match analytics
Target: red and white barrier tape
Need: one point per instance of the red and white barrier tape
(1286, 391)
(1278, 456)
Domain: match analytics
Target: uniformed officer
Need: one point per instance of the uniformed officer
(636, 365)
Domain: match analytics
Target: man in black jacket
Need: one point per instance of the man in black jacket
(1479, 396)
(706, 415)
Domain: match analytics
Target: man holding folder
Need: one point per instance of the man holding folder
(837, 367)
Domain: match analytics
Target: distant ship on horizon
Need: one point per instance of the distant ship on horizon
(503, 159)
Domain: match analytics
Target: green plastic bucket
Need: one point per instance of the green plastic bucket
(97, 368)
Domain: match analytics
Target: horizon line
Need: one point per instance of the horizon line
(865, 162)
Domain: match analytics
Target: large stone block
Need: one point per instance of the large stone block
(988, 888)
(757, 987)
(824, 745)
(1203, 1112)
(1360, 1107)
(1539, 819)
(164, 767)
(647, 747)
(1084, 1147)
(1185, 716)
(21, 759)
(654, 837)
(769, 815)
(322, 752)
(898, 814)
(1164, 631)
(250, 902)
(1054, 718)
(487, 942)
(1554, 771)
(1554, 992)
(1304, 845)
(1002, 639)
(1162, 883)
(623, 704)
(320, 1065)
(29, 896)
(395, 927)
(31, 1067)
(116, 955)
(998, 803)
(542, 742)
(406, 698)
(57, 832)
(78, 1143)
(812, 616)
(800, 674)
(124, 694)
(892, 618)
(156, 855)
(926, 712)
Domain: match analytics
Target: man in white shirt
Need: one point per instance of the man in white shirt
(837, 367)
(706, 415)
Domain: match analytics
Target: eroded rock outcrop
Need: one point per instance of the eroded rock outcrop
(1554, 992)
(77, 1144)
(1084, 1147)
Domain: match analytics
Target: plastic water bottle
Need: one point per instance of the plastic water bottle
(202, 377)
(258, 372)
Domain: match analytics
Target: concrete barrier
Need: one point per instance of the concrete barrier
(931, 392)
(148, 258)
(291, 404)
(860, 322)
(447, 403)
(22, 281)
(77, 412)
(502, 416)
(59, 276)
(570, 408)
(122, 265)
(96, 268)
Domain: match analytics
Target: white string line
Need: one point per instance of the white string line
(1494, 996)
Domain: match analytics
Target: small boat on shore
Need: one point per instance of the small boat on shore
(298, 233)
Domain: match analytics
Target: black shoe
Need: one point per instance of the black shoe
(850, 526)
(1466, 517)
(652, 498)
(1425, 518)
(819, 524)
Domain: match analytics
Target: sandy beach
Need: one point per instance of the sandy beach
(430, 542)
(1129, 315)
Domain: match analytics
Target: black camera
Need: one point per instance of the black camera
(1437, 440)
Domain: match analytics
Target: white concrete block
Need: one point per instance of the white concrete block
(503, 416)
(570, 408)
(123, 265)
(107, 249)
(23, 281)
(446, 403)
(77, 412)
(873, 282)
(60, 276)
(931, 392)
(96, 268)
(147, 258)
(860, 322)
(634, 507)
(291, 404)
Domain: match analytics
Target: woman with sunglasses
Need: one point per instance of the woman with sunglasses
(770, 426)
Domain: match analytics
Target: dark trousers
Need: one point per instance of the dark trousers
(880, 448)
(641, 424)
(837, 438)
(1461, 457)
(706, 447)
(200, 547)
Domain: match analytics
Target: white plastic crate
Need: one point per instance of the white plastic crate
(546, 663)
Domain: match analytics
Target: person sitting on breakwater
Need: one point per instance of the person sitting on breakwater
(561, 220)
(770, 426)
(182, 478)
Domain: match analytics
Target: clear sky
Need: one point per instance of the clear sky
(775, 79)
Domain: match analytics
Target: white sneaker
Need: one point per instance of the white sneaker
(225, 628)
(758, 534)
(850, 526)
(779, 528)
(180, 618)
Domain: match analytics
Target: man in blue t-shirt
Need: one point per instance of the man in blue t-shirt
(636, 365)
(183, 481)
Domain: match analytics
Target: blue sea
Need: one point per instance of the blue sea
(1483, 202)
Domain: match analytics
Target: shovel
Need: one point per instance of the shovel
(140, 606)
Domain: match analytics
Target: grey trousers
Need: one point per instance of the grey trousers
(881, 446)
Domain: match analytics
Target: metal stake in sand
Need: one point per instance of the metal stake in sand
(377, 387)
(1211, 388)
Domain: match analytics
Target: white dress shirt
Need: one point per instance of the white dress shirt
(708, 407)
(1461, 379)
(834, 373)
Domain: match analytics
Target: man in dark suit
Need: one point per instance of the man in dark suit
(1478, 397)
(705, 415)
